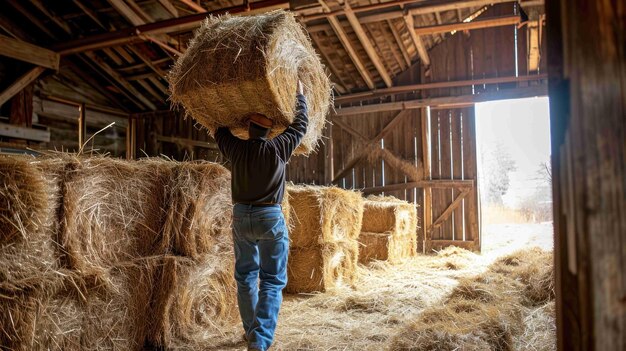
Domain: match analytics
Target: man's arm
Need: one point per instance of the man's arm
(226, 142)
(289, 140)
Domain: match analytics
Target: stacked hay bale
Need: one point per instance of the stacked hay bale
(325, 223)
(99, 253)
(389, 230)
(235, 66)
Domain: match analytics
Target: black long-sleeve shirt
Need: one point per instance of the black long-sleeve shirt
(258, 164)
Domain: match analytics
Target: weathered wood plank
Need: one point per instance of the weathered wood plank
(23, 51)
(20, 84)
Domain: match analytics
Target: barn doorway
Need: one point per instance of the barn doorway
(514, 172)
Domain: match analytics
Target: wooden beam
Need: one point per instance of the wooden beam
(18, 5)
(186, 23)
(167, 5)
(128, 13)
(67, 112)
(57, 20)
(194, 6)
(20, 83)
(343, 38)
(447, 101)
(185, 141)
(422, 184)
(339, 84)
(23, 51)
(350, 130)
(435, 85)
(120, 80)
(367, 45)
(398, 38)
(486, 23)
(145, 59)
(90, 13)
(82, 125)
(417, 41)
(19, 132)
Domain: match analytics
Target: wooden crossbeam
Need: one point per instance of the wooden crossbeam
(448, 211)
(447, 102)
(167, 4)
(367, 45)
(460, 26)
(422, 184)
(371, 144)
(23, 51)
(436, 85)
(350, 130)
(20, 84)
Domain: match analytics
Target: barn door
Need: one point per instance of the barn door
(450, 163)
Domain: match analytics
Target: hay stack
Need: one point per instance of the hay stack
(325, 225)
(389, 230)
(238, 65)
(105, 277)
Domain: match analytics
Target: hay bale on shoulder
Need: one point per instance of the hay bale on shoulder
(386, 247)
(321, 215)
(322, 268)
(236, 65)
(386, 214)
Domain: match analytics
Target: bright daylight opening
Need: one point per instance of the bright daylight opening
(514, 173)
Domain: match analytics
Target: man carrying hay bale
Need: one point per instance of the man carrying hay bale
(259, 230)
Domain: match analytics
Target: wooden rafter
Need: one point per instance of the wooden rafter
(194, 6)
(417, 41)
(18, 6)
(89, 12)
(167, 4)
(20, 83)
(400, 42)
(367, 45)
(339, 84)
(23, 51)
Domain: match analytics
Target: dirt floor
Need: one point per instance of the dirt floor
(387, 297)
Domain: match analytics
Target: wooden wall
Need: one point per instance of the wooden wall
(440, 143)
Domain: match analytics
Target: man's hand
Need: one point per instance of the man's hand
(300, 89)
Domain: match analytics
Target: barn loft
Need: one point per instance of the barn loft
(115, 199)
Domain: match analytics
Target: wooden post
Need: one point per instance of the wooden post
(82, 125)
(131, 138)
(427, 205)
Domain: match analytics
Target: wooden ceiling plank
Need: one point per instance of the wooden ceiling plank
(57, 20)
(157, 83)
(367, 45)
(23, 51)
(18, 6)
(340, 85)
(150, 89)
(345, 41)
(145, 59)
(118, 61)
(120, 80)
(400, 42)
(20, 84)
(90, 13)
(167, 5)
(121, 7)
(485, 23)
(417, 41)
(89, 79)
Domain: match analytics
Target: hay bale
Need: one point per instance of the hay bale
(321, 215)
(322, 268)
(386, 247)
(382, 215)
(200, 305)
(238, 65)
(113, 212)
(200, 209)
(29, 202)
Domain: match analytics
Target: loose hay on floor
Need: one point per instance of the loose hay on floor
(236, 65)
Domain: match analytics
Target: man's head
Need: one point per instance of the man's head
(259, 126)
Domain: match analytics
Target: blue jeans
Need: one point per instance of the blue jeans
(261, 249)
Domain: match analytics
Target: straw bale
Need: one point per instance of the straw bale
(199, 306)
(29, 201)
(200, 209)
(113, 212)
(382, 215)
(386, 247)
(322, 268)
(321, 215)
(235, 66)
